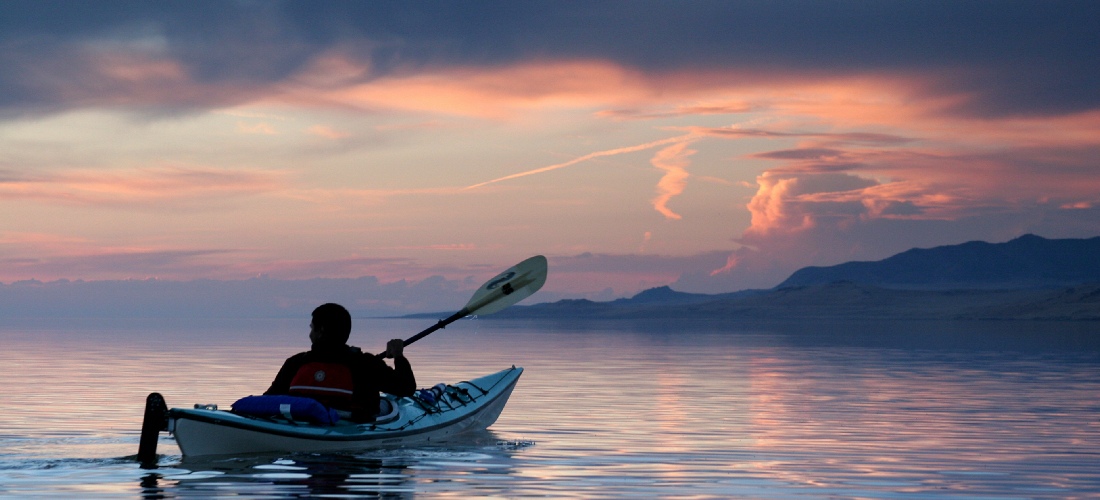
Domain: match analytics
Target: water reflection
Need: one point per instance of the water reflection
(278, 476)
(386, 473)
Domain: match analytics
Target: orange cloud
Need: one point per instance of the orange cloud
(137, 69)
(448, 247)
(327, 132)
(673, 160)
(261, 128)
(731, 263)
(719, 108)
(495, 93)
(149, 186)
(123, 75)
(798, 196)
(40, 243)
(351, 197)
(505, 92)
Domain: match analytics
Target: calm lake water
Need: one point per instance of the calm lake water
(861, 410)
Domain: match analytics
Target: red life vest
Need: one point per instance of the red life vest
(329, 383)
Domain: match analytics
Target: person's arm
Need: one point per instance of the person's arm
(398, 380)
(281, 384)
(403, 382)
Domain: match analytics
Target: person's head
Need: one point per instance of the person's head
(331, 325)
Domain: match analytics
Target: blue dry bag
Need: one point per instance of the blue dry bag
(290, 407)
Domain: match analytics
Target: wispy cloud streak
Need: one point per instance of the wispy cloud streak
(673, 160)
(149, 187)
(589, 156)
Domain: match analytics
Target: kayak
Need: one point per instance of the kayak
(262, 424)
(418, 419)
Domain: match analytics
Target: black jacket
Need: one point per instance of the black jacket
(370, 374)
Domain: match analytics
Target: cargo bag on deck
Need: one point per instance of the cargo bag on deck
(289, 407)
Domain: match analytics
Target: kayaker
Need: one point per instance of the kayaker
(341, 376)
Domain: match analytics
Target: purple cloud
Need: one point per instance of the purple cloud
(1010, 58)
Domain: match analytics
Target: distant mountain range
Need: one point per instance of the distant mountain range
(1028, 278)
(1026, 262)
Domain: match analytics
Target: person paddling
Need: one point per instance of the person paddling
(341, 376)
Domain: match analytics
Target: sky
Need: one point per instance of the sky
(708, 146)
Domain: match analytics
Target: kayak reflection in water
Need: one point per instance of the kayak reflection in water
(340, 376)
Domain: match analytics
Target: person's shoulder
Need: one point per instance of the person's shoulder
(296, 360)
(364, 359)
(357, 354)
(299, 356)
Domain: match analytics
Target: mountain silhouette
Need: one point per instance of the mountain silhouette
(1026, 262)
(1028, 278)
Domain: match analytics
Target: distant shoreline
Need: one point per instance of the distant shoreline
(835, 301)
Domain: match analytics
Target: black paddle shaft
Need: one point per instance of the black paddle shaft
(441, 324)
(505, 289)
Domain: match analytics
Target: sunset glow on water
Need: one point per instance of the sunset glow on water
(752, 412)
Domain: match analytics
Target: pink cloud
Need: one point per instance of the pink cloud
(731, 263)
(327, 132)
(786, 203)
(854, 137)
(385, 269)
(612, 90)
(125, 76)
(336, 198)
(148, 187)
(261, 128)
(59, 257)
(495, 93)
(38, 244)
(137, 69)
(96, 264)
(722, 108)
(673, 160)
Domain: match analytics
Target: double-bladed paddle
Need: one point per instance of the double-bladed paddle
(507, 288)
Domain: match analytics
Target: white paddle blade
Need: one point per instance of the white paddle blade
(509, 287)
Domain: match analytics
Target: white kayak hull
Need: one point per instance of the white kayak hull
(467, 406)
